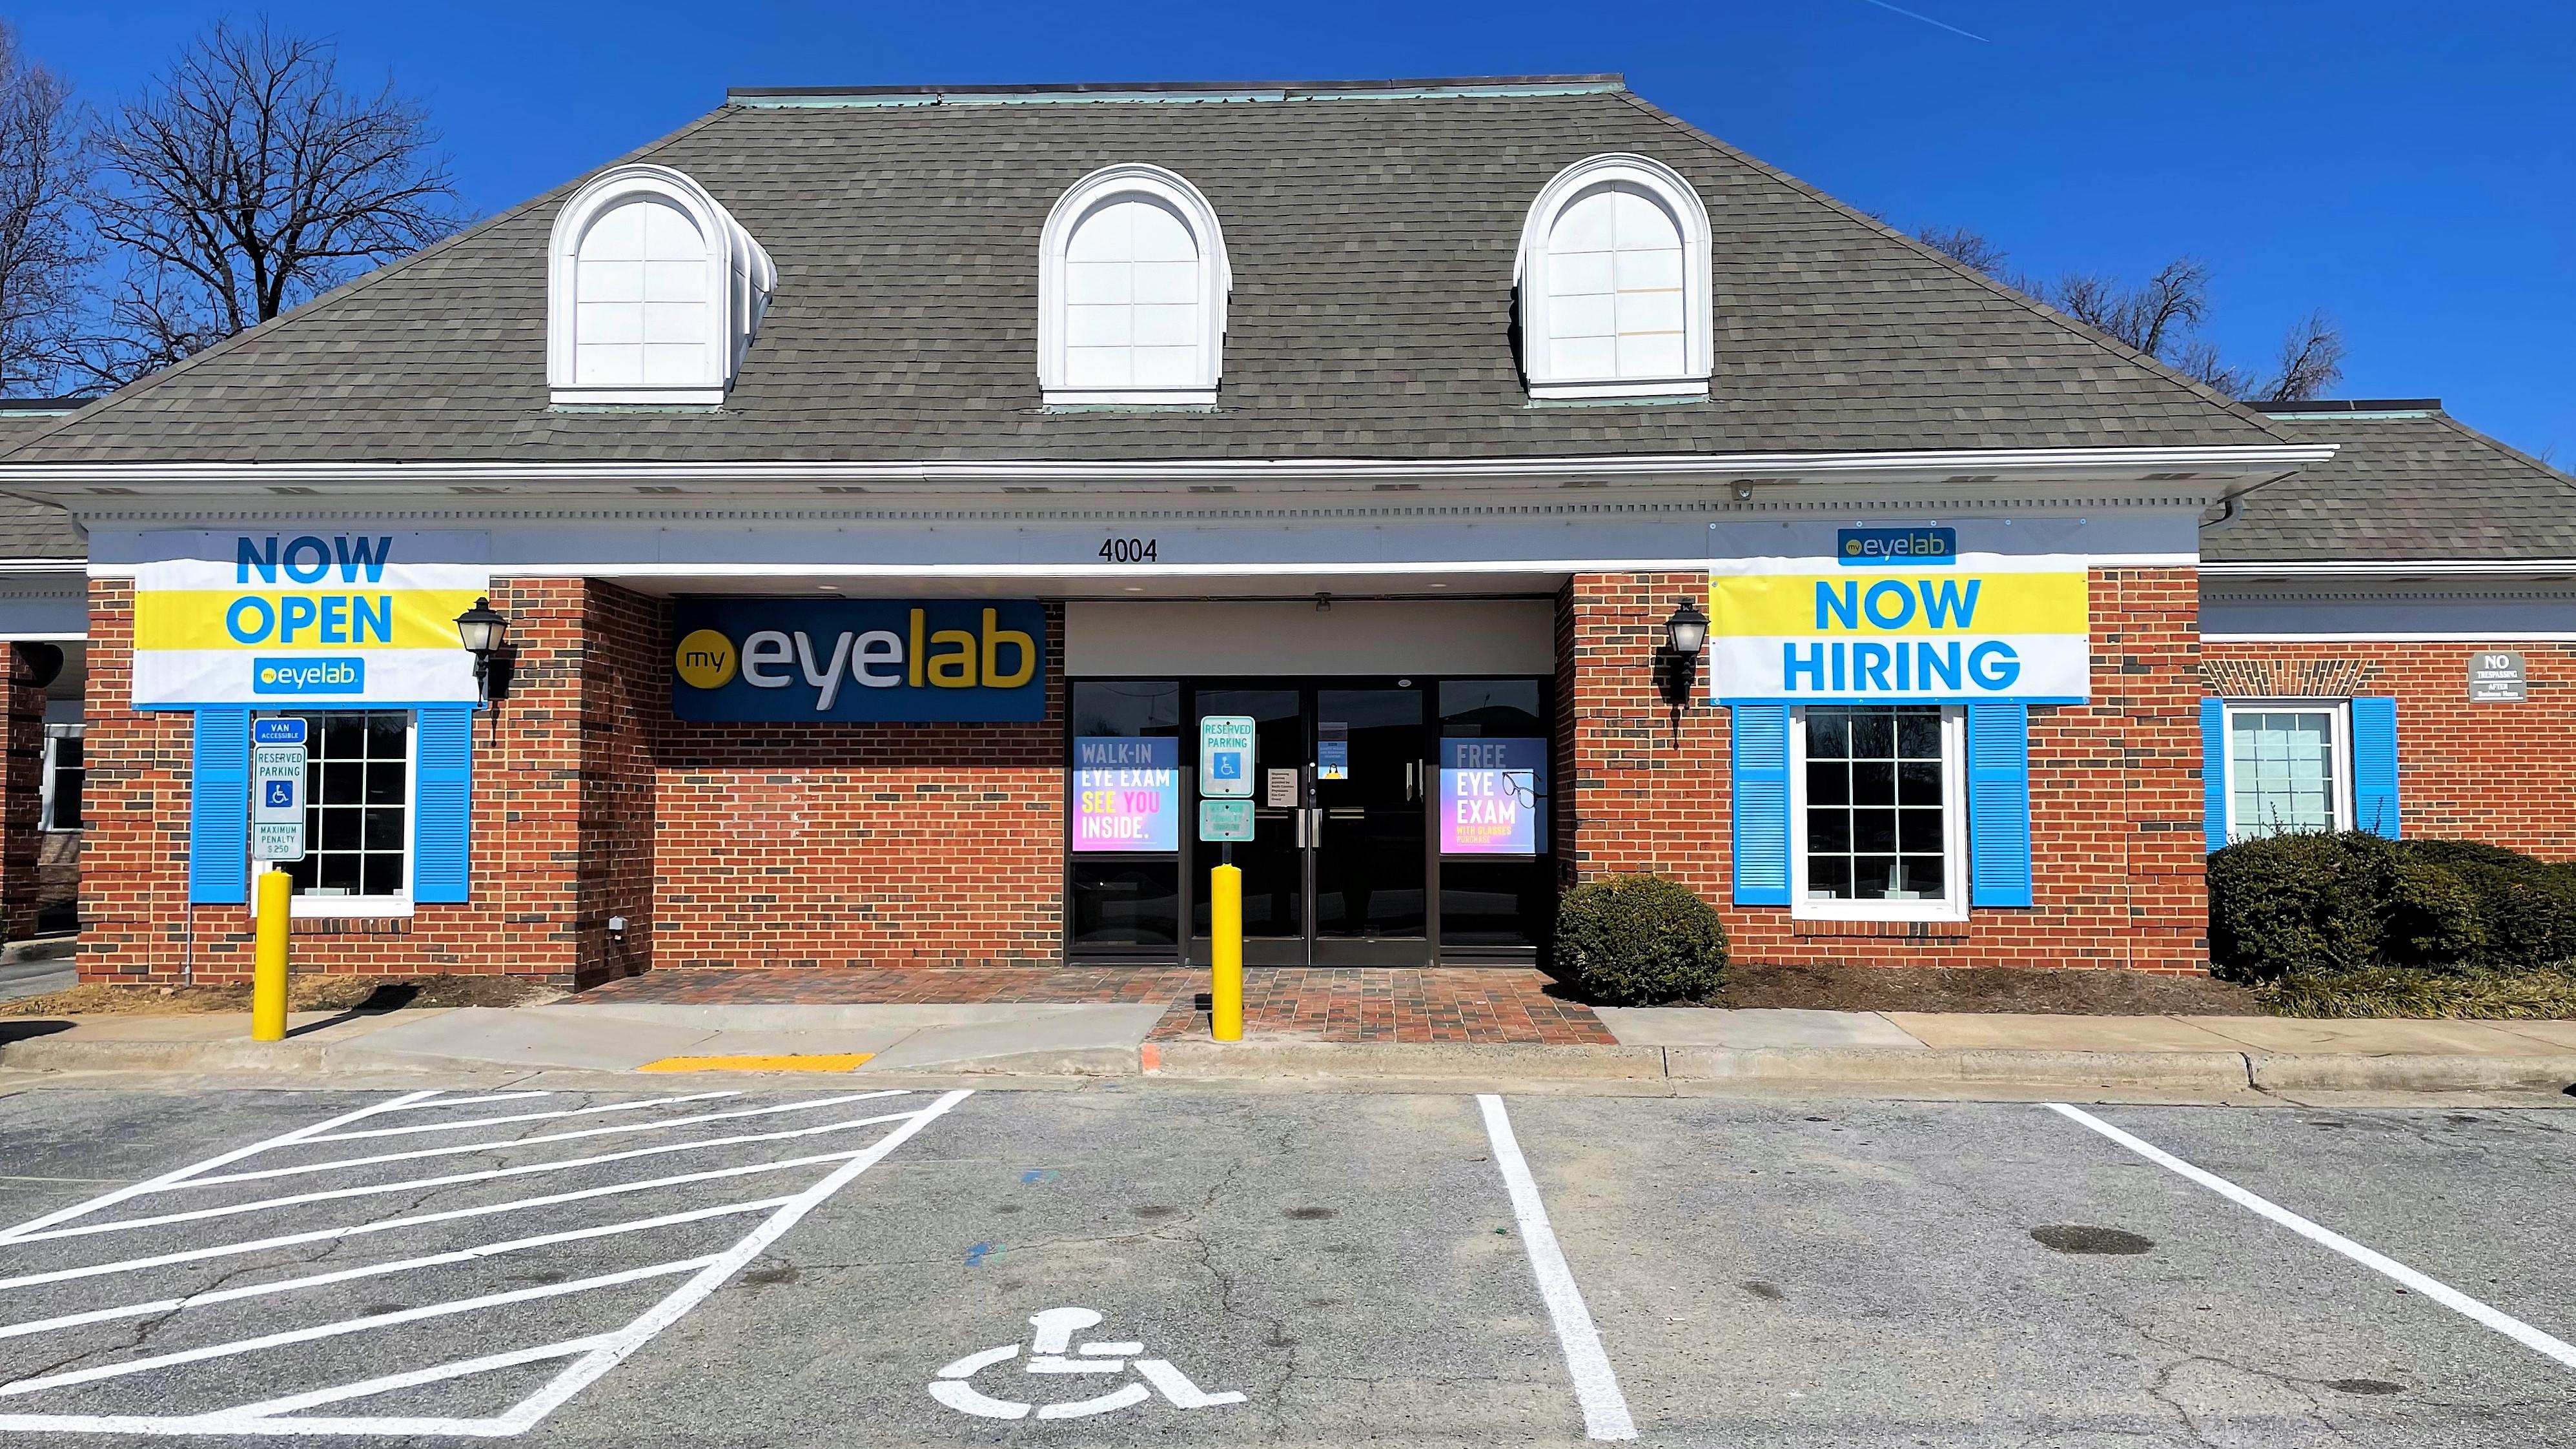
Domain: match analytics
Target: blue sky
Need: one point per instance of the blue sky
(2411, 169)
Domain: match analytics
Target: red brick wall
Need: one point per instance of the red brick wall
(2502, 773)
(22, 800)
(525, 917)
(847, 844)
(2115, 790)
(824, 845)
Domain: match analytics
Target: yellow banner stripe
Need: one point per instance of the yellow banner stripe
(320, 620)
(1876, 603)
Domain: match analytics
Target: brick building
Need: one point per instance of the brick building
(881, 486)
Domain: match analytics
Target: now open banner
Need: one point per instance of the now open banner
(1983, 611)
(328, 616)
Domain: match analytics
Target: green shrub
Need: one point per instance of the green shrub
(2307, 904)
(2543, 992)
(1634, 940)
(2526, 906)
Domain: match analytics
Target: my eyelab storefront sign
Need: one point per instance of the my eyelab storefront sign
(1970, 611)
(778, 661)
(316, 616)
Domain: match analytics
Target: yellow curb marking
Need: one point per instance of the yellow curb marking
(782, 1062)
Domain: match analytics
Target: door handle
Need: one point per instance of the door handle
(1301, 827)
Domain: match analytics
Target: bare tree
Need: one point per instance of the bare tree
(44, 256)
(2311, 361)
(1966, 247)
(246, 180)
(2156, 319)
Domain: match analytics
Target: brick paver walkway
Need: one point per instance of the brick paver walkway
(1454, 1004)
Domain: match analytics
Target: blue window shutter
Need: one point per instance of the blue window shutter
(2213, 773)
(443, 799)
(2374, 766)
(1761, 757)
(219, 809)
(1999, 805)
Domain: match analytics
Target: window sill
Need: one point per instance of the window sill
(1618, 391)
(1898, 913)
(626, 399)
(1085, 399)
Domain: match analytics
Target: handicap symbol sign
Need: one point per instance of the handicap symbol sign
(281, 794)
(1226, 764)
(1055, 1328)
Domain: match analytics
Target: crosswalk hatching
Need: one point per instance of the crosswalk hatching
(437, 1263)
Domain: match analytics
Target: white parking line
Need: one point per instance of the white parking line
(811, 1104)
(379, 1270)
(591, 1354)
(1596, 1388)
(414, 1184)
(387, 1225)
(638, 1105)
(2440, 1292)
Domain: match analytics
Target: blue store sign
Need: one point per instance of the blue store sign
(957, 661)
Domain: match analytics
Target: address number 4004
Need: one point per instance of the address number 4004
(1128, 550)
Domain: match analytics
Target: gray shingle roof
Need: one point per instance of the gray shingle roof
(1372, 243)
(29, 529)
(2409, 483)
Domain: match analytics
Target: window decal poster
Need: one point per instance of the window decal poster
(1974, 610)
(1126, 793)
(1491, 794)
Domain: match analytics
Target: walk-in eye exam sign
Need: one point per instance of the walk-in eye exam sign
(318, 615)
(785, 661)
(1977, 610)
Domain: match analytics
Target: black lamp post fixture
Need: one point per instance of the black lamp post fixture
(485, 632)
(1685, 634)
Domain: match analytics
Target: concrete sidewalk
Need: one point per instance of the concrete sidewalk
(1657, 1048)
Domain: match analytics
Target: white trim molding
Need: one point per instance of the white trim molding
(1680, 202)
(1172, 193)
(739, 279)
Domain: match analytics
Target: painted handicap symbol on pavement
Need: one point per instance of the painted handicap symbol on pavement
(1047, 1355)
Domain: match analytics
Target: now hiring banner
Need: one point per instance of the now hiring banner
(1972, 611)
(328, 616)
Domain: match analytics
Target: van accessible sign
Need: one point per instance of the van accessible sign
(779, 661)
(1971, 611)
(332, 616)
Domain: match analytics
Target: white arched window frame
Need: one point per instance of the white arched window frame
(1533, 277)
(736, 283)
(1089, 198)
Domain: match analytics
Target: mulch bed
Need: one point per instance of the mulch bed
(1984, 988)
(304, 993)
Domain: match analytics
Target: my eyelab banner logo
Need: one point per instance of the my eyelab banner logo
(359, 616)
(950, 661)
(1980, 611)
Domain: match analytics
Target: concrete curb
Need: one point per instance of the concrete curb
(1897, 1066)
(1412, 1062)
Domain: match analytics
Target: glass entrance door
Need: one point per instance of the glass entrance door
(1336, 871)
(1368, 827)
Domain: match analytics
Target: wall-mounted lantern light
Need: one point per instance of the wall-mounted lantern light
(1677, 663)
(485, 632)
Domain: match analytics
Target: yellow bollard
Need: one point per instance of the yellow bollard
(1225, 992)
(268, 960)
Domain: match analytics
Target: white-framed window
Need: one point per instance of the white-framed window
(65, 776)
(1613, 274)
(1132, 284)
(1878, 813)
(653, 291)
(2289, 766)
(361, 767)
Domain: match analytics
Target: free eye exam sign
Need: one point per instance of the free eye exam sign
(781, 661)
(1969, 611)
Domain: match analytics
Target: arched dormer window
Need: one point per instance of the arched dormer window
(1132, 282)
(1614, 283)
(653, 290)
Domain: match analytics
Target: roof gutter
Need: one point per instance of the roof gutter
(2219, 472)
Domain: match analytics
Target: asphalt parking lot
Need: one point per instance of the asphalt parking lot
(1142, 1266)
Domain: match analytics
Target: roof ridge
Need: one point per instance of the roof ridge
(2244, 411)
(144, 385)
(1115, 90)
